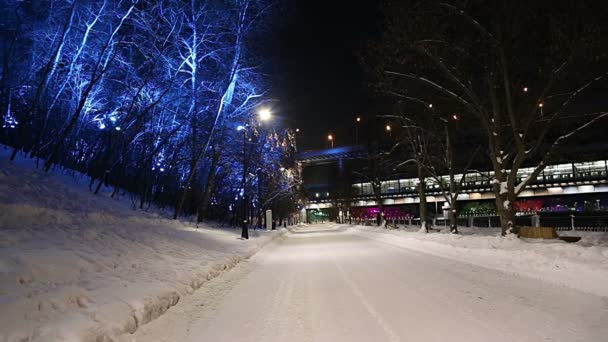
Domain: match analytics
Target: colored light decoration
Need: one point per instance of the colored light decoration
(117, 128)
(102, 125)
(113, 118)
(10, 122)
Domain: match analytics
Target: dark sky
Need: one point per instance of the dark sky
(320, 85)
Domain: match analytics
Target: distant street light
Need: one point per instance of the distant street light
(358, 119)
(331, 139)
(297, 130)
(455, 117)
(525, 89)
(430, 105)
(388, 130)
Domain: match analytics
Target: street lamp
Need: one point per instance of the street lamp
(388, 129)
(331, 140)
(264, 114)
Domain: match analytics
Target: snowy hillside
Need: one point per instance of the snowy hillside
(75, 266)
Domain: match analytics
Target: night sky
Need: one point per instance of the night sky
(320, 85)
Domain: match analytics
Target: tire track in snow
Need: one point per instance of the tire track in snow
(390, 333)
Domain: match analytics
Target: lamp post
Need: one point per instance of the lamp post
(358, 120)
(331, 140)
(264, 114)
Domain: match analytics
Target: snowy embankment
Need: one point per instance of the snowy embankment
(79, 267)
(579, 266)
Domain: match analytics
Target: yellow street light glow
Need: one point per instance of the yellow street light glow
(330, 137)
(264, 114)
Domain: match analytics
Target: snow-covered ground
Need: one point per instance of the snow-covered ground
(329, 283)
(79, 267)
(582, 265)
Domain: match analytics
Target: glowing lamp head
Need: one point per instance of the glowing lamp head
(282, 169)
(540, 105)
(455, 117)
(525, 89)
(388, 128)
(358, 119)
(297, 130)
(240, 128)
(430, 105)
(264, 114)
(330, 137)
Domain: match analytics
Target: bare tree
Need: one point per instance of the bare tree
(509, 68)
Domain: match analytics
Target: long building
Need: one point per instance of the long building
(560, 190)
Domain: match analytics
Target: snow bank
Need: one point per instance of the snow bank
(80, 267)
(582, 266)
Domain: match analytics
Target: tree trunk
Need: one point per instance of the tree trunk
(506, 213)
(453, 217)
(422, 194)
(202, 209)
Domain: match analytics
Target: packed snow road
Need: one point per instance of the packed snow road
(322, 283)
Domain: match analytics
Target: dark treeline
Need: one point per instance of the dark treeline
(147, 96)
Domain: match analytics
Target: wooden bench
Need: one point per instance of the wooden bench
(545, 233)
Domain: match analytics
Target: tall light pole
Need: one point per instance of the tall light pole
(357, 121)
(264, 114)
(331, 140)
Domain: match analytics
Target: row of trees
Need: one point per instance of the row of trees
(146, 95)
(509, 81)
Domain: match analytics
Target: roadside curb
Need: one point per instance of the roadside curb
(158, 304)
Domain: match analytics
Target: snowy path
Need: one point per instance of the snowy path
(326, 284)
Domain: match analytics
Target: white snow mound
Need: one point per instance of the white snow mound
(75, 266)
